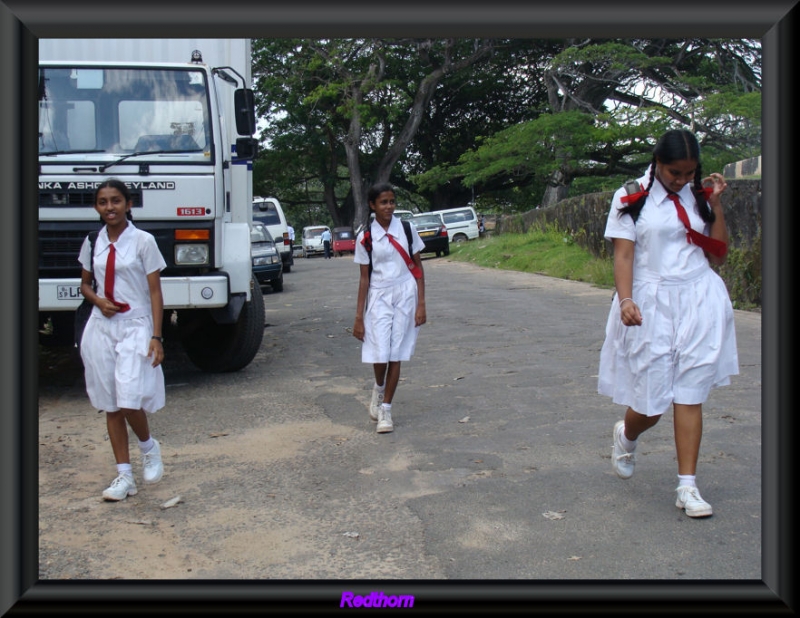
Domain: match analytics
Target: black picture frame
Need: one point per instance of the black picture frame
(23, 22)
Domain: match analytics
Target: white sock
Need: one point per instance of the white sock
(387, 407)
(145, 447)
(380, 388)
(686, 480)
(628, 445)
(125, 468)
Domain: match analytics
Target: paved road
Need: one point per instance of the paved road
(498, 472)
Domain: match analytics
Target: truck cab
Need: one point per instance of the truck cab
(177, 130)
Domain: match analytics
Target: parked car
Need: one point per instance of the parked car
(267, 263)
(312, 239)
(433, 233)
(403, 214)
(462, 223)
(268, 210)
(344, 241)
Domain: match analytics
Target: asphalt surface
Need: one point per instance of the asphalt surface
(497, 478)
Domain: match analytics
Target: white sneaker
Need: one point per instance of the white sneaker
(621, 460)
(375, 404)
(384, 421)
(689, 500)
(120, 488)
(153, 467)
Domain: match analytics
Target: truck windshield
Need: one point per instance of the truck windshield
(121, 111)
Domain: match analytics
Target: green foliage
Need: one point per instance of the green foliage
(742, 274)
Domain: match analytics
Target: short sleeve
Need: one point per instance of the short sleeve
(151, 255)
(85, 255)
(619, 226)
(360, 254)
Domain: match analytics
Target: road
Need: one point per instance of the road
(498, 470)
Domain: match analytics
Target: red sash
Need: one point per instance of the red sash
(706, 243)
(415, 270)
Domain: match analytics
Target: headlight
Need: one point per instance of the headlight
(191, 255)
(264, 260)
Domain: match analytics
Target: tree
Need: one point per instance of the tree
(607, 102)
(352, 102)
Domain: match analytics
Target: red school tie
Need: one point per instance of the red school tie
(109, 280)
(706, 243)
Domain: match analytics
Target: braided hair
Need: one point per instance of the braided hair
(675, 145)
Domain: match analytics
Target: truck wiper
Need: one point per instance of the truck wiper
(103, 168)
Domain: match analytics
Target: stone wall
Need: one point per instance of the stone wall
(584, 217)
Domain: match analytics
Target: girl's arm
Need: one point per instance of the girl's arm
(361, 301)
(420, 317)
(719, 229)
(623, 281)
(156, 349)
(106, 306)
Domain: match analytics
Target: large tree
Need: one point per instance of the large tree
(609, 99)
(352, 103)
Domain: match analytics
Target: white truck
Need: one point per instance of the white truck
(174, 119)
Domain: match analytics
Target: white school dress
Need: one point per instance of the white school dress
(686, 344)
(390, 333)
(118, 372)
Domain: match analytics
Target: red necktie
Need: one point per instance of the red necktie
(409, 262)
(109, 280)
(706, 243)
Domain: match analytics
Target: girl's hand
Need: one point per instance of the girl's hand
(358, 328)
(630, 314)
(156, 352)
(420, 317)
(108, 308)
(717, 182)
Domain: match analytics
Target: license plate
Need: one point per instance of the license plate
(424, 234)
(69, 292)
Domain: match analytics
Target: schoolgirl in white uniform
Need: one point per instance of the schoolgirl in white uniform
(391, 301)
(122, 348)
(670, 335)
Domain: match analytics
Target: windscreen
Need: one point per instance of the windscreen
(123, 110)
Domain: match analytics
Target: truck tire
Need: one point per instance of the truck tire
(223, 348)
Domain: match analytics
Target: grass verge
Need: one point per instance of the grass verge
(551, 253)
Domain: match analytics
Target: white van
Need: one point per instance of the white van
(268, 211)
(461, 223)
(312, 239)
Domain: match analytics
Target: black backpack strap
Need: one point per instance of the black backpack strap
(407, 228)
(92, 240)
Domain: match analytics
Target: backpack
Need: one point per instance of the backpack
(84, 310)
(367, 241)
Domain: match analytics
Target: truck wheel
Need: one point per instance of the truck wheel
(223, 348)
(277, 284)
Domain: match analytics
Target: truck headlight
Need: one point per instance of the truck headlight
(191, 254)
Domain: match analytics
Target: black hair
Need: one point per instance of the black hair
(675, 145)
(376, 189)
(113, 183)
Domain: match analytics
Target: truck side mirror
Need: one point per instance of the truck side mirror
(246, 148)
(245, 105)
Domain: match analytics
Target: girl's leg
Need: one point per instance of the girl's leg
(688, 421)
(392, 379)
(380, 373)
(138, 422)
(118, 436)
(636, 424)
